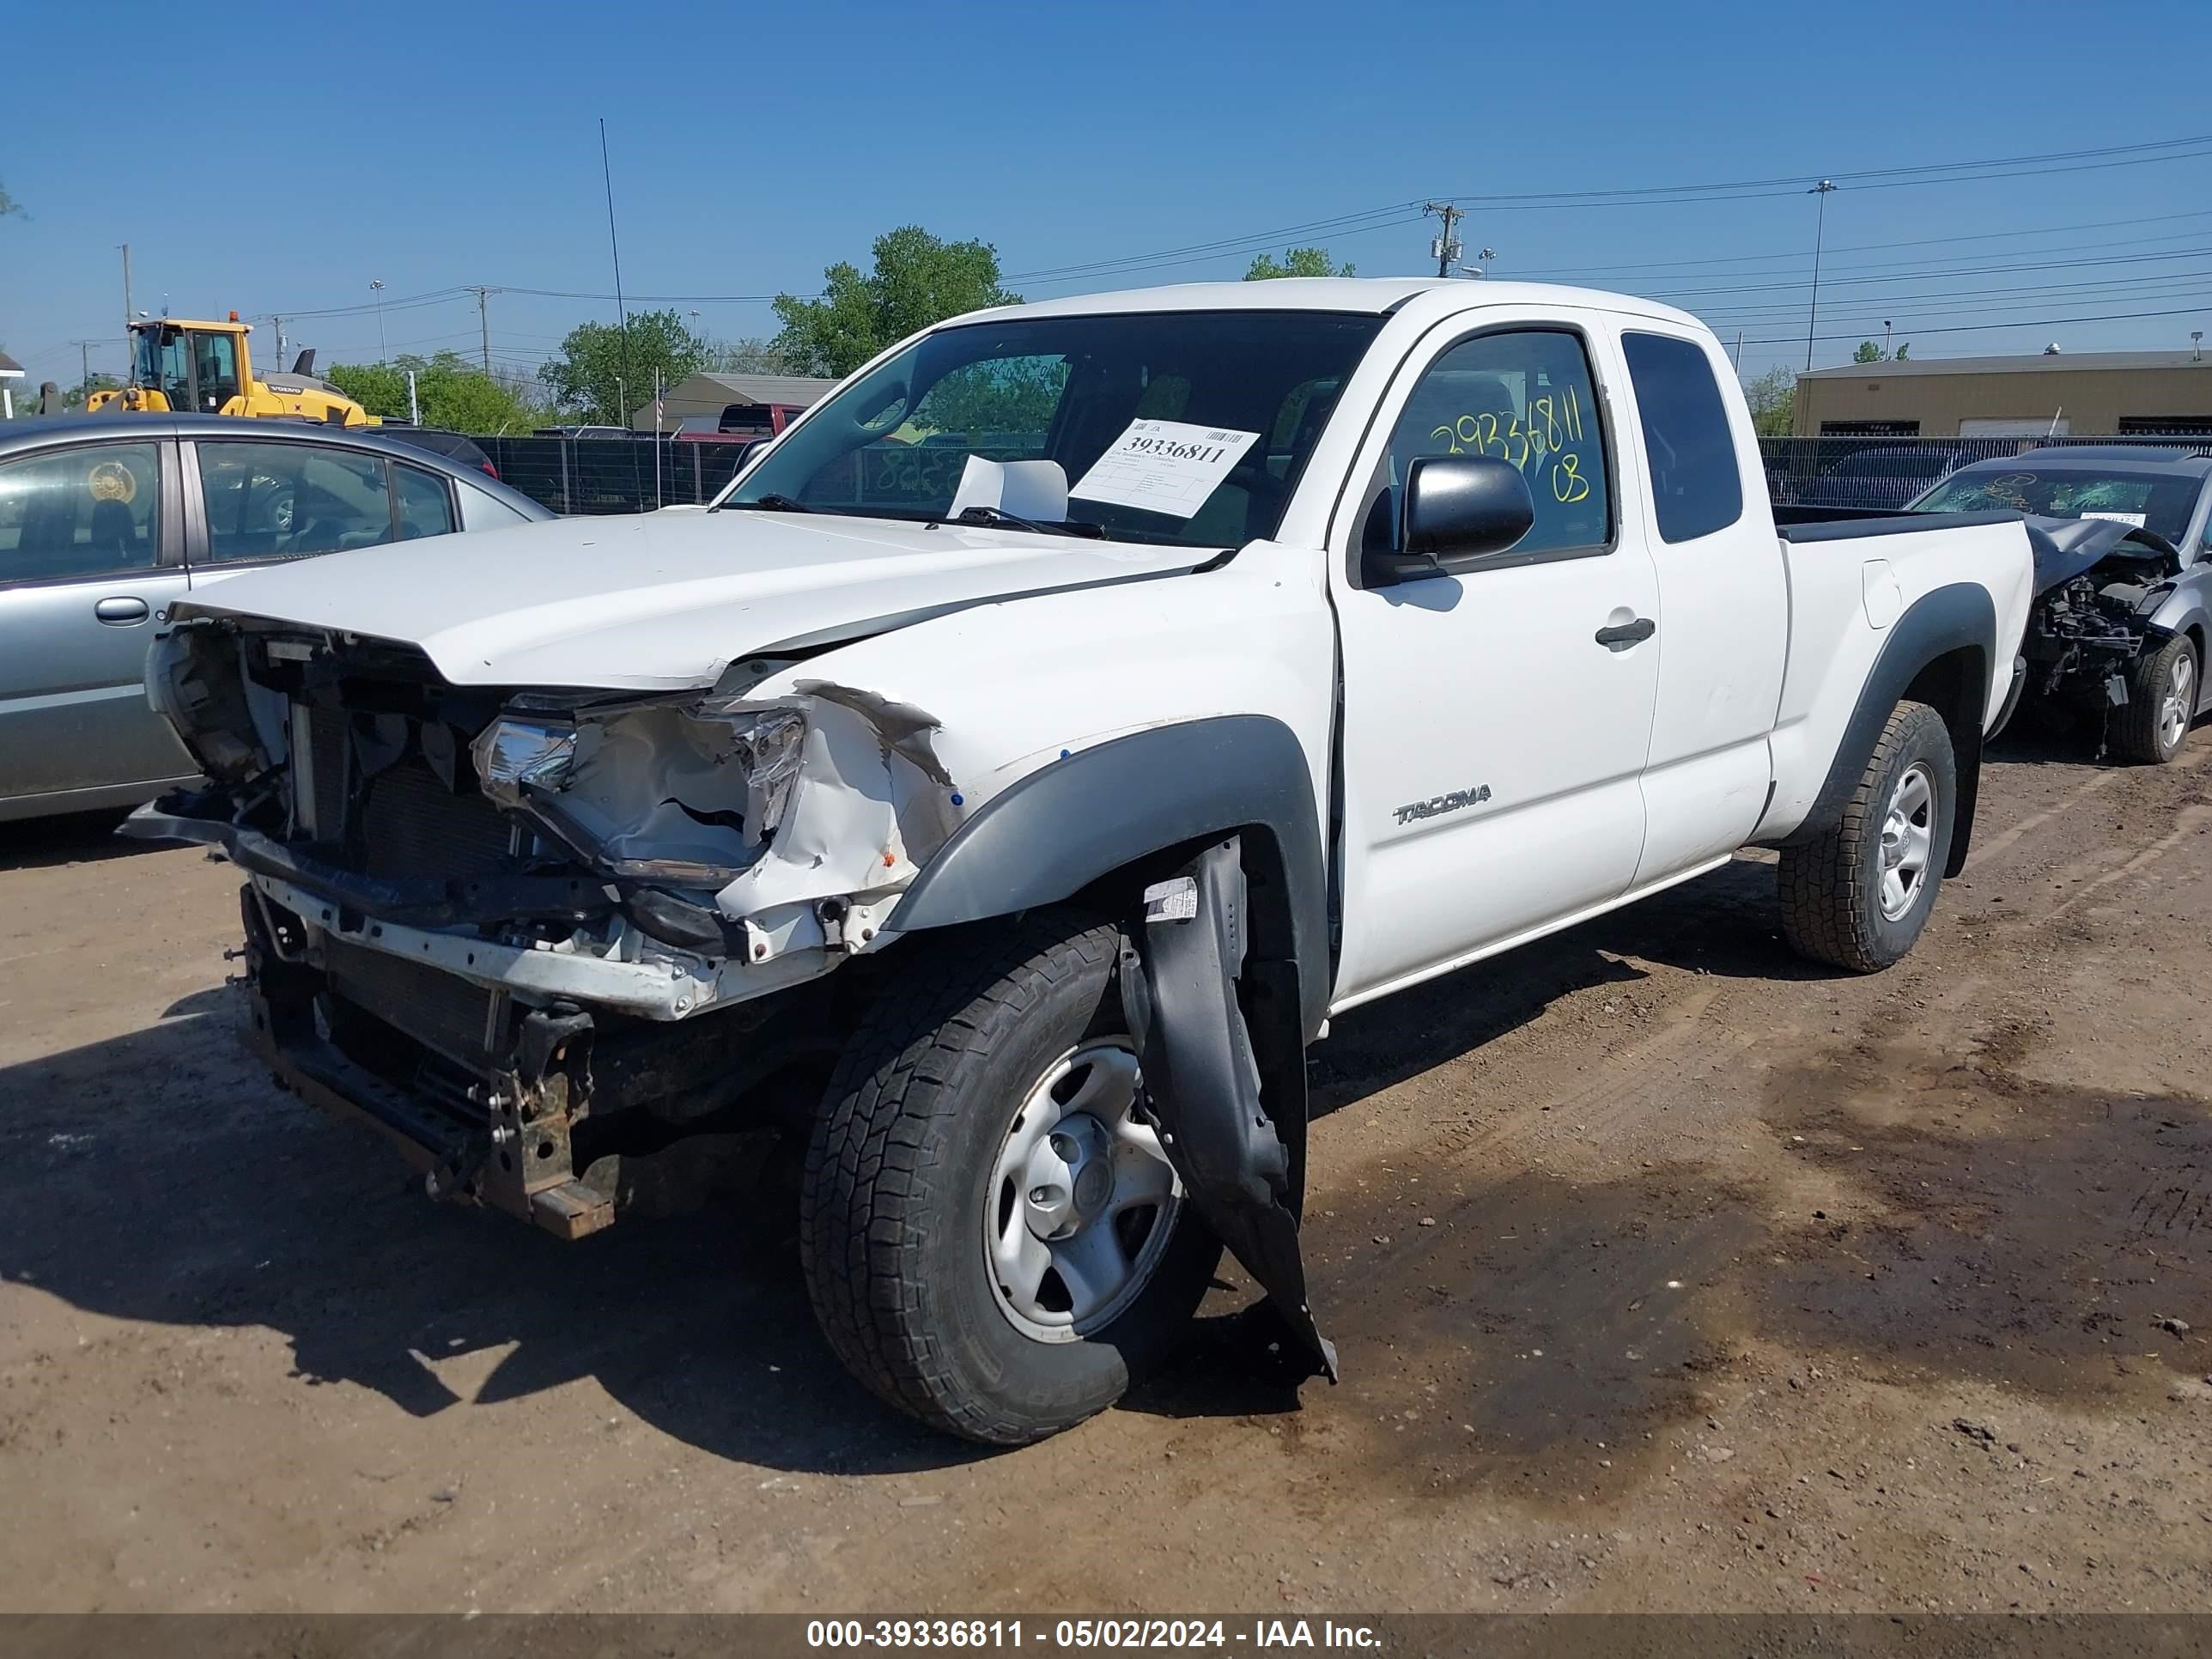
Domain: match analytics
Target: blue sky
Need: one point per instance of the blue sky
(278, 158)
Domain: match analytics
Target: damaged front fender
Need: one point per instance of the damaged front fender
(828, 793)
(1234, 1129)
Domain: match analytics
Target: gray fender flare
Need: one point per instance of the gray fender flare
(1958, 619)
(1050, 834)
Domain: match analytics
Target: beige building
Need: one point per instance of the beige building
(699, 402)
(2090, 393)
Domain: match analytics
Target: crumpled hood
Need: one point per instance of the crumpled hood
(2065, 548)
(660, 601)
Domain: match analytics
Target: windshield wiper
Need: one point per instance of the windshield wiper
(774, 504)
(1014, 521)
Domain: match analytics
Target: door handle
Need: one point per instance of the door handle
(1625, 634)
(120, 609)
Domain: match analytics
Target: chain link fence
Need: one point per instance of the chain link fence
(1891, 472)
(616, 475)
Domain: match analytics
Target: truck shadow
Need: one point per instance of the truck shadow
(1726, 924)
(80, 838)
(159, 1177)
(1560, 1340)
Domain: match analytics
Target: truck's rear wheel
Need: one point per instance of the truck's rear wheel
(2161, 702)
(1858, 896)
(993, 1239)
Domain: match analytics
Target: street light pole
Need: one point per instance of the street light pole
(384, 351)
(1819, 229)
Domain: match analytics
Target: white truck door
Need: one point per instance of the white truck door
(1491, 742)
(1724, 588)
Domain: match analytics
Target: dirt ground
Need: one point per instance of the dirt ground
(1668, 1273)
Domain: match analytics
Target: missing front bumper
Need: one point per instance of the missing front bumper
(379, 915)
(503, 1139)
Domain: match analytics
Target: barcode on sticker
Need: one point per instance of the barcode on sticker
(1171, 901)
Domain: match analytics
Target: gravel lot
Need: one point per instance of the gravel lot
(1667, 1273)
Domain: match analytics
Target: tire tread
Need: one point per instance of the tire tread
(1825, 908)
(2134, 727)
(872, 1165)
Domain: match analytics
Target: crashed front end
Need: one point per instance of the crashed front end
(473, 916)
(2099, 585)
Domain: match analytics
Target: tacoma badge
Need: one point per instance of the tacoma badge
(1451, 802)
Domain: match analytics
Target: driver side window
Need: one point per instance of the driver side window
(1523, 396)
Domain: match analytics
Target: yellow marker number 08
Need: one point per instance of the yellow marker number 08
(1553, 423)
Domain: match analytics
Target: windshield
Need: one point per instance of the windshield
(2160, 502)
(1182, 428)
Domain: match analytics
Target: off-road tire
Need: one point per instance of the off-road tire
(2136, 732)
(898, 1170)
(1831, 885)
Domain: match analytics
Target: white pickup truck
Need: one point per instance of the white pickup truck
(999, 788)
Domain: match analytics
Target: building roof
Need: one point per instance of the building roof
(2039, 363)
(800, 389)
(10, 368)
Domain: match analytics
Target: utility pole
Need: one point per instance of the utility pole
(278, 322)
(1819, 228)
(1885, 336)
(376, 287)
(1445, 248)
(621, 312)
(83, 365)
(1737, 359)
(128, 313)
(483, 324)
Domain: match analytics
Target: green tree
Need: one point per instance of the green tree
(1869, 352)
(75, 397)
(1295, 262)
(8, 205)
(1904, 351)
(1014, 395)
(453, 393)
(1773, 400)
(604, 374)
(918, 280)
(752, 355)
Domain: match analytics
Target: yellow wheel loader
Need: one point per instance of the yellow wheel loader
(179, 367)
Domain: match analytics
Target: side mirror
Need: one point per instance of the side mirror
(1456, 507)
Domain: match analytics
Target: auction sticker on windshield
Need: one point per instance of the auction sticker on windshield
(1163, 466)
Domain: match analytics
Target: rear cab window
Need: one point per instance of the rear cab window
(1697, 484)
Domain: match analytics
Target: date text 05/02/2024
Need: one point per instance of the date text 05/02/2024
(1258, 1634)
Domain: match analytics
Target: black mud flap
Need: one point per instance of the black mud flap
(1236, 1138)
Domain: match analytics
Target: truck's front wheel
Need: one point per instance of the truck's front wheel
(1858, 896)
(992, 1238)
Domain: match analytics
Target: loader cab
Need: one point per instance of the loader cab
(197, 368)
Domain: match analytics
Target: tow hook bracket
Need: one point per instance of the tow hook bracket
(1239, 1154)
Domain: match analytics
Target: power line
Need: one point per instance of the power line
(2024, 166)
(1977, 328)
(1570, 273)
